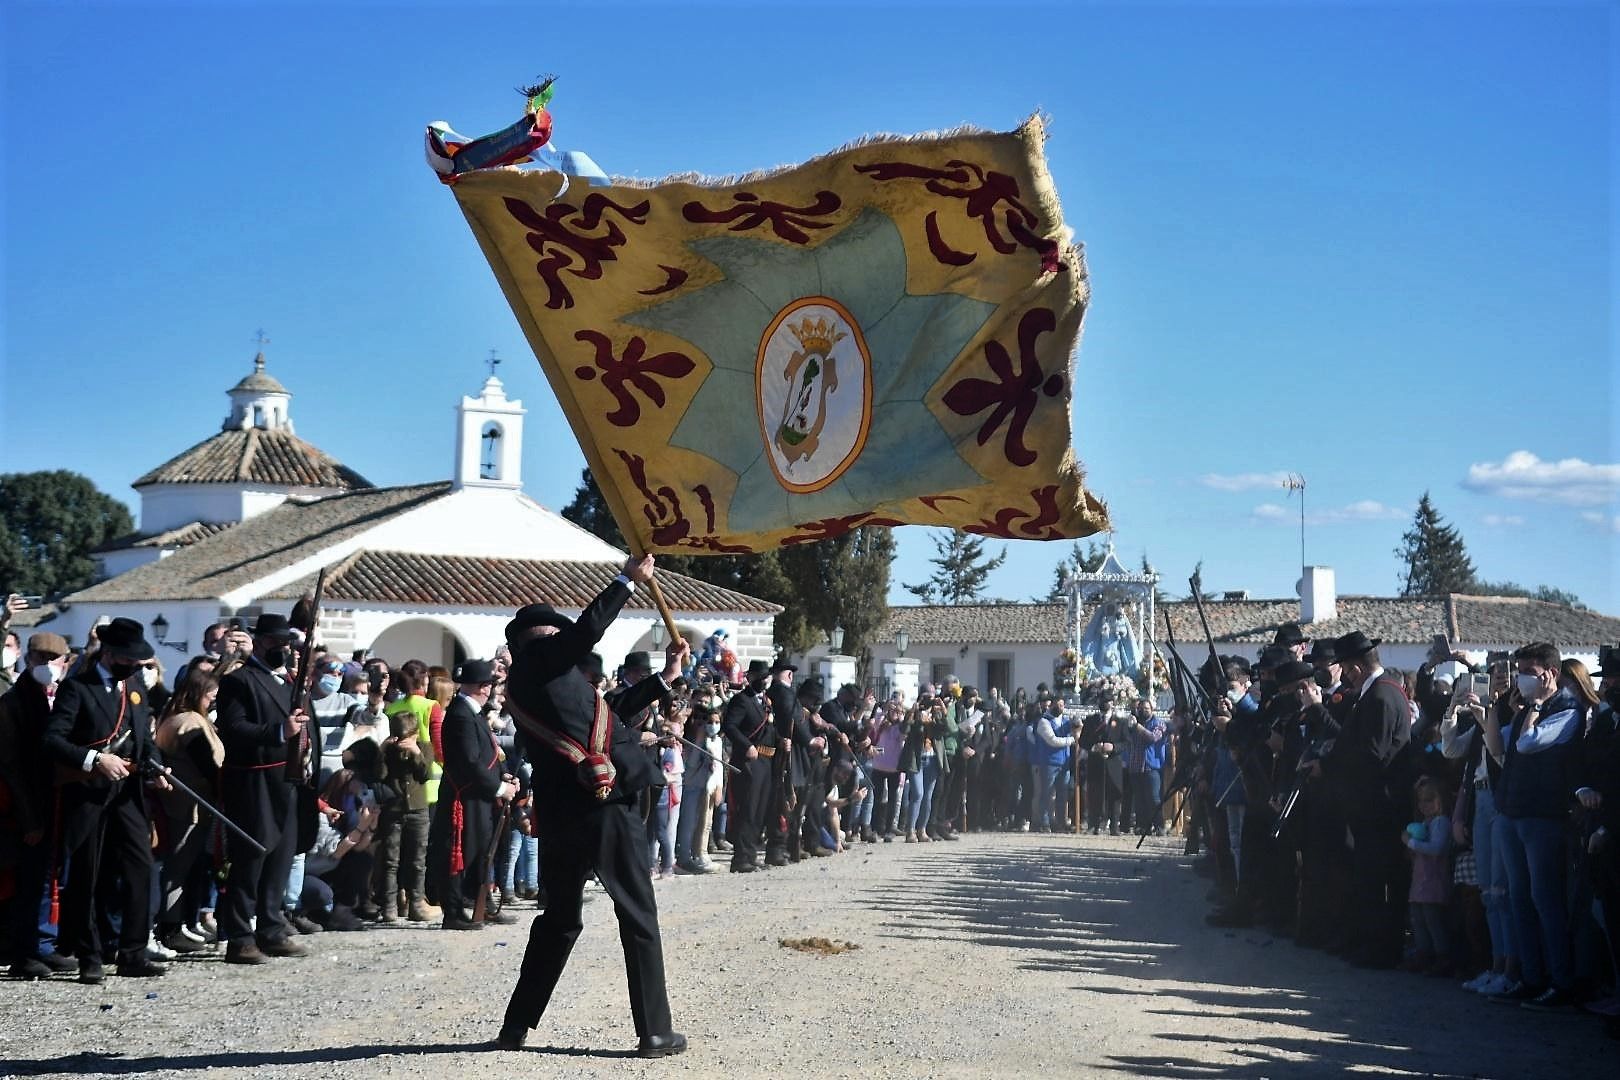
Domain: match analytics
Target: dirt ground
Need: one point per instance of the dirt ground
(1001, 955)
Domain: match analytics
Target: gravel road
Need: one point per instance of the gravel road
(1001, 955)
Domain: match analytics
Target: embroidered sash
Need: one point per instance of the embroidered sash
(596, 769)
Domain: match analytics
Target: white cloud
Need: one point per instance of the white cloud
(1606, 522)
(1361, 510)
(1253, 481)
(1523, 475)
(1501, 521)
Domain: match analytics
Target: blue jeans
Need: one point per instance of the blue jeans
(295, 884)
(920, 792)
(1148, 784)
(1533, 863)
(661, 832)
(1487, 868)
(522, 865)
(1048, 782)
(691, 834)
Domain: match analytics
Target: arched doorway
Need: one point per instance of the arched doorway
(421, 639)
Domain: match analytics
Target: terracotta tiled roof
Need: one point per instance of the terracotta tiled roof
(1474, 620)
(260, 545)
(255, 456)
(1507, 620)
(398, 577)
(179, 537)
(966, 624)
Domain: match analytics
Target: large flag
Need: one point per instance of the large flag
(880, 336)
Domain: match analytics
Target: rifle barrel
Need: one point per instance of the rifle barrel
(185, 789)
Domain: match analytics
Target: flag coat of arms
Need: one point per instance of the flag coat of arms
(881, 336)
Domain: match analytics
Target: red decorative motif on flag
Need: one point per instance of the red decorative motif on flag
(674, 279)
(984, 191)
(635, 369)
(827, 528)
(1040, 525)
(750, 212)
(1014, 396)
(553, 235)
(669, 524)
(933, 501)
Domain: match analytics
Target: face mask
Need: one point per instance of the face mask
(1529, 685)
(44, 674)
(8, 658)
(331, 684)
(276, 657)
(1234, 695)
(121, 669)
(1323, 677)
(712, 729)
(149, 676)
(213, 715)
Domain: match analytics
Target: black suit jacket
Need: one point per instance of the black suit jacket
(743, 724)
(792, 723)
(471, 762)
(252, 707)
(87, 716)
(545, 682)
(1369, 742)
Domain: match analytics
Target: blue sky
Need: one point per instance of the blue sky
(1373, 244)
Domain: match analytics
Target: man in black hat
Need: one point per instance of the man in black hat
(265, 739)
(746, 727)
(586, 817)
(790, 768)
(1358, 770)
(99, 736)
(1289, 636)
(474, 782)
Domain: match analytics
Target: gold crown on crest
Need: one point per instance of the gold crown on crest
(817, 335)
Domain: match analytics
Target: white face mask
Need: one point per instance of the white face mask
(45, 674)
(8, 658)
(149, 676)
(1234, 695)
(712, 729)
(1529, 685)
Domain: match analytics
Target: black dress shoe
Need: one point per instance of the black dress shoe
(29, 968)
(652, 1046)
(500, 918)
(90, 971)
(453, 923)
(140, 968)
(743, 868)
(57, 962)
(511, 1037)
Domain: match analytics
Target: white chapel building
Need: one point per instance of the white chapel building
(243, 521)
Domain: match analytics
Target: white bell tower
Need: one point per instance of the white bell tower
(489, 438)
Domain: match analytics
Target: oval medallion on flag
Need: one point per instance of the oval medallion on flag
(813, 383)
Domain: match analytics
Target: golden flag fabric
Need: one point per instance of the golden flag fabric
(881, 336)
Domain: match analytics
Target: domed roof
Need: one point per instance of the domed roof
(258, 382)
(275, 458)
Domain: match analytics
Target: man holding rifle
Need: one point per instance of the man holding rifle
(267, 746)
(99, 735)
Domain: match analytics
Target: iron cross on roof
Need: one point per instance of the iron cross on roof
(493, 362)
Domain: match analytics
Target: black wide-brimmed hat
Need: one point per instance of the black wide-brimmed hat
(1608, 665)
(757, 669)
(124, 637)
(1293, 672)
(1272, 657)
(271, 624)
(637, 661)
(1323, 651)
(475, 673)
(781, 664)
(592, 666)
(532, 615)
(1289, 634)
(1354, 644)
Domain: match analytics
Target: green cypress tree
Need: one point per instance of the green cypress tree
(1436, 560)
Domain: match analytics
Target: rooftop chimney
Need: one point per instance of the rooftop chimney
(1318, 595)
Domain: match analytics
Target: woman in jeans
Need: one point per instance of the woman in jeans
(192, 749)
(700, 789)
(920, 762)
(1474, 734)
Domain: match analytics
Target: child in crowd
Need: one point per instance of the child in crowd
(1429, 840)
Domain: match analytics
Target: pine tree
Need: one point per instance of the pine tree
(1436, 560)
(962, 570)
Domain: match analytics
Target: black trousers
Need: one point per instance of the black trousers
(1105, 790)
(458, 892)
(612, 841)
(784, 812)
(30, 876)
(945, 812)
(1377, 900)
(257, 884)
(746, 821)
(111, 869)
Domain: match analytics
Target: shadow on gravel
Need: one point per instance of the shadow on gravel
(1097, 911)
(118, 1065)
